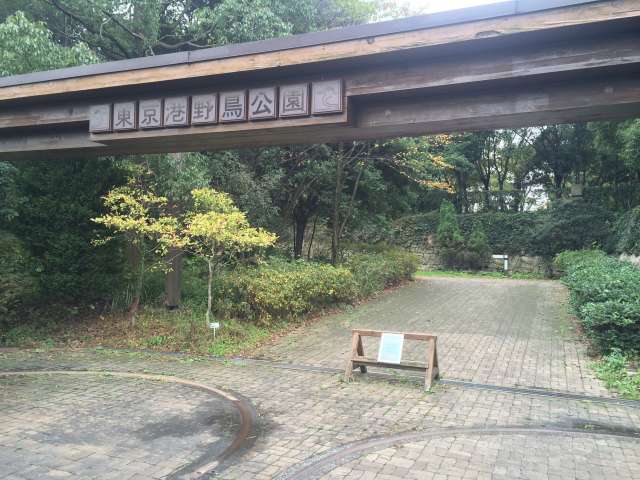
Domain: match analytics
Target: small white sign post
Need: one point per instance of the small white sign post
(214, 326)
(505, 259)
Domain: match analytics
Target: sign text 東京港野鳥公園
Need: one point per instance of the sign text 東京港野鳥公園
(228, 106)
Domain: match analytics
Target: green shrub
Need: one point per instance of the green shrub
(283, 289)
(569, 225)
(507, 233)
(605, 295)
(613, 370)
(448, 235)
(628, 232)
(573, 225)
(375, 272)
(16, 281)
(288, 290)
(478, 251)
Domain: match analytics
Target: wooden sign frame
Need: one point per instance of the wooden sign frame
(357, 357)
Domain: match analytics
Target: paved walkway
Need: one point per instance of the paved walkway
(104, 426)
(311, 424)
(525, 456)
(501, 332)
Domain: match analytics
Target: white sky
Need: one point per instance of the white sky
(428, 6)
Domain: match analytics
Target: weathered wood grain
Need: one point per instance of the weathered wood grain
(353, 49)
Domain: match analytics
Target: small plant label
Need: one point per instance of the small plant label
(214, 325)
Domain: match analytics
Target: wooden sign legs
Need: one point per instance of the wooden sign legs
(433, 371)
(357, 358)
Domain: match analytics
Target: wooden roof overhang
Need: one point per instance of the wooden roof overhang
(509, 64)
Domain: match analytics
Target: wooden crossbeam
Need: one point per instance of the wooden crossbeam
(532, 63)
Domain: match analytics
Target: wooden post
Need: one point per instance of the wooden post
(431, 362)
(360, 351)
(348, 371)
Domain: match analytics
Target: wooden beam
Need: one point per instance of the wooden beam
(508, 26)
(43, 115)
(458, 109)
(541, 60)
(526, 105)
(620, 51)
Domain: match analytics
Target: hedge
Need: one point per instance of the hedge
(628, 232)
(17, 283)
(605, 294)
(283, 289)
(509, 233)
(568, 225)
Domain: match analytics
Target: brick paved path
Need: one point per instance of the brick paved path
(107, 427)
(501, 332)
(499, 457)
(305, 417)
(304, 414)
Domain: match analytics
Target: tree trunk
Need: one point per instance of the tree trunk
(337, 199)
(137, 295)
(313, 234)
(501, 203)
(209, 292)
(172, 281)
(300, 226)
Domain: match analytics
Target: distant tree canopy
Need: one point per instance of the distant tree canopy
(116, 29)
(315, 198)
(27, 46)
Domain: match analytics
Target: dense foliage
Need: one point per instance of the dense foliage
(315, 197)
(478, 251)
(573, 225)
(448, 235)
(17, 282)
(628, 233)
(606, 298)
(26, 46)
(567, 225)
(281, 289)
(616, 373)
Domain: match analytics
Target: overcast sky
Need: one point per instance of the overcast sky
(427, 6)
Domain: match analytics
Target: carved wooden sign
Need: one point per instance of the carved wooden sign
(233, 106)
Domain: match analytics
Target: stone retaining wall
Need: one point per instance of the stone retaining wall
(635, 259)
(430, 260)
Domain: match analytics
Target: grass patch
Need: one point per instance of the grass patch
(156, 329)
(479, 274)
(619, 373)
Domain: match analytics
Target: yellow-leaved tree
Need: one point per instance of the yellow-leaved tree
(139, 214)
(218, 232)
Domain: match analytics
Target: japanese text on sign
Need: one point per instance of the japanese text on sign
(256, 104)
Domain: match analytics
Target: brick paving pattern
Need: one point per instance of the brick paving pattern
(107, 427)
(500, 332)
(500, 457)
(303, 414)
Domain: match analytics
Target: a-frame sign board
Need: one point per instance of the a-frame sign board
(357, 358)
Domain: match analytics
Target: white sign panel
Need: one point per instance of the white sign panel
(100, 118)
(124, 116)
(326, 97)
(263, 103)
(233, 106)
(150, 113)
(204, 109)
(294, 100)
(391, 348)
